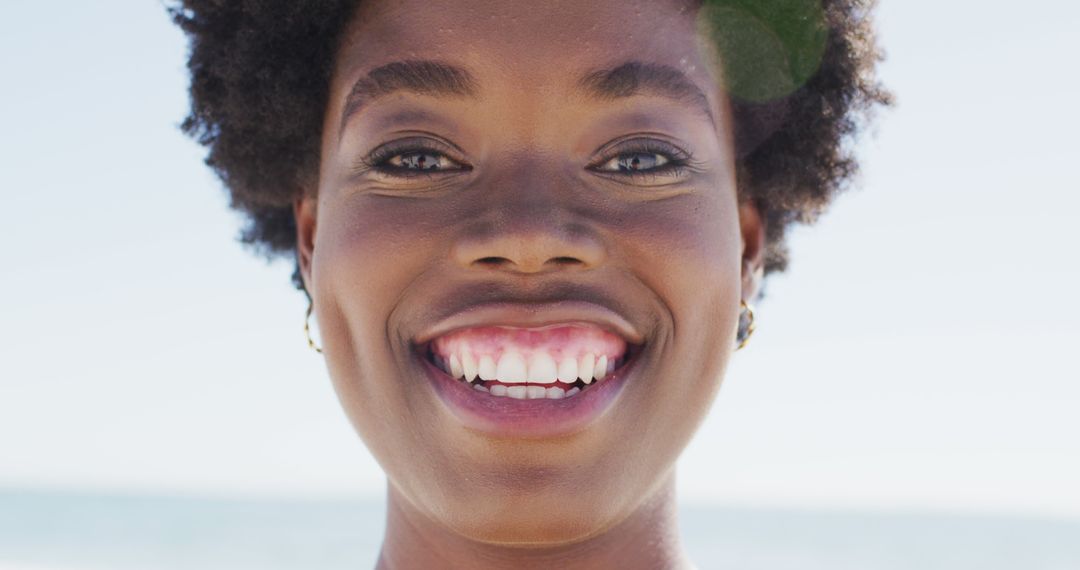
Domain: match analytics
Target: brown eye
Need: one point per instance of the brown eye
(635, 162)
(420, 160)
(647, 161)
(413, 157)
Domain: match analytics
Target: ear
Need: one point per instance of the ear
(752, 227)
(305, 216)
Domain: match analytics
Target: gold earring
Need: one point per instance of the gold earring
(307, 328)
(746, 325)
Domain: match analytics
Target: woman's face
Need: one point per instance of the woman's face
(524, 185)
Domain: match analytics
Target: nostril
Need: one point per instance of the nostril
(496, 262)
(492, 261)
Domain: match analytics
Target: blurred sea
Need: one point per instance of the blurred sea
(67, 531)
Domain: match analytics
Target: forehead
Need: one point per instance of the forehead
(526, 45)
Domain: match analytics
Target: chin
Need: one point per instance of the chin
(549, 520)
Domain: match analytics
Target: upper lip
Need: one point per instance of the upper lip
(534, 315)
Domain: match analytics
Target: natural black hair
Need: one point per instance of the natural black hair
(260, 75)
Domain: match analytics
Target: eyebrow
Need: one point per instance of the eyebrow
(426, 77)
(443, 80)
(641, 78)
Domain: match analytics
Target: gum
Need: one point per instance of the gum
(558, 342)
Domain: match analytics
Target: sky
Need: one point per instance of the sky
(919, 354)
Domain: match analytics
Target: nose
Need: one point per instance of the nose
(529, 226)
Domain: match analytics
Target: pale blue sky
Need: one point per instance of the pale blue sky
(919, 354)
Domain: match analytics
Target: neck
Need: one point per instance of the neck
(647, 539)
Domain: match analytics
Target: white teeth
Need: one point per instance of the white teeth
(498, 390)
(568, 370)
(518, 392)
(487, 368)
(536, 392)
(511, 368)
(455, 366)
(572, 391)
(601, 367)
(480, 387)
(542, 368)
(555, 393)
(468, 365)
(586, 367)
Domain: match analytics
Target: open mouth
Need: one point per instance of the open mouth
(552, 362)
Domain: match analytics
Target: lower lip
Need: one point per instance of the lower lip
(503, 416)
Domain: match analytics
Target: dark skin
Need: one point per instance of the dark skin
(528, 204)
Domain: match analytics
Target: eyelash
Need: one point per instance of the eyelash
(676, 159)
(379, 158)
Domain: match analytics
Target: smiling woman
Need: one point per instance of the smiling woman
(521, 225)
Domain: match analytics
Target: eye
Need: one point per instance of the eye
(413, 157)
(644, 160)
(635, 162)
(419, 160)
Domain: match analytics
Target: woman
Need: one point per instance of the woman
(531, 233)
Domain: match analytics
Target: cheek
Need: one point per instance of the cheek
(367, 251)
(689, 252)
(368, 248)
(372, 230)
(351, 274)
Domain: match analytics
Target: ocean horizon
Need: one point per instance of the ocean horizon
(45, 530)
